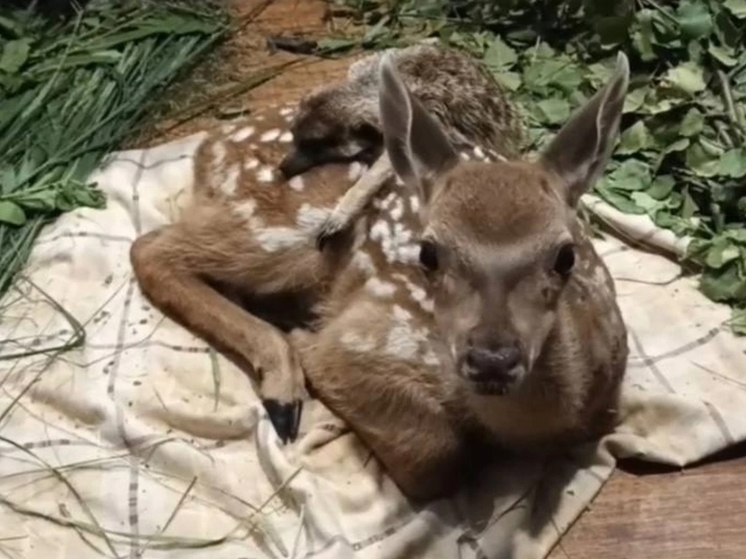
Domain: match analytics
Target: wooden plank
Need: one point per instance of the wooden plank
(644, 513)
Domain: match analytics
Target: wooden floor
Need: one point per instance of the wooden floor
(699, 513)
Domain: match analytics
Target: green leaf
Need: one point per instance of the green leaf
(733, 164)
(686, 77)
(722, 252)
(11, 213)
(722, 55)
(634, 139)
(692, 124)
(631, 175)
(647, 202)
(689, 207)
(642, 38)
(737, 322)
(618, 200)
(723, 285)
(678, 145)
(15, 54)
(702, 161)
(554, 110)
(695, 20)
(635, 100)
(499, 56)
(662, 187)
(736, 7)
(510, 80)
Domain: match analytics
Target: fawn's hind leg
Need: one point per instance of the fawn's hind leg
(178, 267)
(351, 205)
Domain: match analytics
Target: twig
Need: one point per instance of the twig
(735, 117)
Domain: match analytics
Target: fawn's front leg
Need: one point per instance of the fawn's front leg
(174, 266)
(399, 409)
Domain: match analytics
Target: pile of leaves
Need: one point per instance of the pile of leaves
(681, 157)
(71, 90)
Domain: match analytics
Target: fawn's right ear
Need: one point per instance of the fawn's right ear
(418, 149)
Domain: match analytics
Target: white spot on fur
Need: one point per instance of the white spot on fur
(296, 183)
(478, 153)
(286, 137)
(243, 134)
(428, 305)
(272, 239)
(270, 135)
(414, 202)
(310, 219)
(357, 342)
(380, 231)
(231, 180)
(389, 200)
(265, 174)
(380, 288)
(404, 341)
(246, 209)
(285, 111)
(398, 181)
(251, 164)
(409, 254)
(430, 359)
(356, 170)
(397, 212)
(363, 261)
(464, 156)
(218, 154)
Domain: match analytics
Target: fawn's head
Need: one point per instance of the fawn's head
(500, 241)
(334, 125)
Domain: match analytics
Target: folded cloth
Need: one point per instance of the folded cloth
(144, 442)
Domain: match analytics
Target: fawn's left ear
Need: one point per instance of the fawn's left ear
(418, 149)
(582, 149)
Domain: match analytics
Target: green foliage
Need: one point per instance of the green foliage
(681, 156)
(70, 92)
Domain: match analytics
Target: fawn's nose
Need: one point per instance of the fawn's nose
(495, 364)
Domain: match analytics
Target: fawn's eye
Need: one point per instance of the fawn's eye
(565, 259)
(429, 256)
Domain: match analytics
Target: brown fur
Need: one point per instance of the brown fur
(384, 351)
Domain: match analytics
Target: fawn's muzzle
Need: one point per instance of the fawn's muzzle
(496, 368)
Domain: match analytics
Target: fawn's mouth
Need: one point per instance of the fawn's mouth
(501, 385)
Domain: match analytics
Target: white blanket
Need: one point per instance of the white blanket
(142, 442)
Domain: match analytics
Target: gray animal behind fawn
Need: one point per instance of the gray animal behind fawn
(342, 123)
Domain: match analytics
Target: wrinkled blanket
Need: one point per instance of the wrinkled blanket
(143, 442)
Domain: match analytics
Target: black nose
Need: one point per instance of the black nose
(494, 364)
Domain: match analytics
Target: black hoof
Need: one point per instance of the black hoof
(285, 418)
(329, 234)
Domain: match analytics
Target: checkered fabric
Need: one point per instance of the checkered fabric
(143, 442)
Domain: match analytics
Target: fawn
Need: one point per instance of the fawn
(341, 123)
(467, 306)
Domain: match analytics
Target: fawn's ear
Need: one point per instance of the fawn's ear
(580, 152)
(418, 149)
